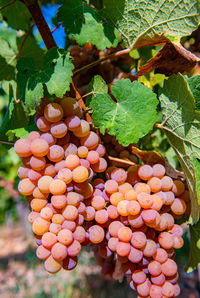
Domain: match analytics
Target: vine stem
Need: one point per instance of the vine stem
(81, 103)
(92, 64)
(22, 44)
(8, 4)
(40, 22)
(6, 143)
(52, 31)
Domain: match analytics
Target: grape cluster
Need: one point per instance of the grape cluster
(126, 216)
(58, 163)
(136, 209)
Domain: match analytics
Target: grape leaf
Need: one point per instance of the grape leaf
(84, 24)
(7, 70)
(21, 132)
(181, 125)
(97, 86)
(141, 20)
(132, 115)
(16, 15)
(194, 258)
(56, 75)
(194, 84)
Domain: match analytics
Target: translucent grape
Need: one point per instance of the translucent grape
(39, 147)
(74, 248)
(70, 148)
(116, 197)
(57, 187)
(53, 112)
(42, 253)
(89, 213)
(145, 200)
(112, 212)
(155, 184)
(96, 234)
(138, 277)
(154, 268)
(43, 124)
(79, 234)
(72, 161)
(83, 130)
(33, 135)
(112, 243)
(48, 240)
(23, 147)
(166, 240)
(80, 174)
(59, 201)
(58, 129)
(133, 207)
(71, 107)
(65, 175)
(44, 184)
(124, 234)
(145, 172)
(168, 289)
(160, 255)
(122, 208)
(82, 151)
(119, 175)
(26, 186)
(37, 163)
(101, 216)
(93, 157)
(166, 183)
(169, 268)
(46, 213)
(158, 170)
(100, 166)
(40, 226)
(73, 122)
(111, 186)
(98, 202)
(123, 248)
(90, 141)
(56, 153)
(70, 212)
(178, 206)
(22, 172)
(59, 251)
(150, 248)
(138, 239)
(144, 288)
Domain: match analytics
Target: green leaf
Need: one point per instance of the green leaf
(132, 115)
(7, 72)
(194, 84)
(84, 24)
(15, 117)
(181, 125)
(140, 19)
(97, 86)
(16, 15)
(56, 75)
(194, 258)
(21, 132)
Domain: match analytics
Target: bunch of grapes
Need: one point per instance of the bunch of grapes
(136, 209)
(126, 216)
(58, 163)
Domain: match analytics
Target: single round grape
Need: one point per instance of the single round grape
(154, 268)
(48, 240)
(160, 255)
(73, 198)
(149, 215)
(81, 208)
(79, 234)
(112, 243)
(22, 172)
(54, 228)
(65, 175)
(51, 140)
(72, 161)
(38, 204)
(70, 225)
(111, 186)
(58, 129)
(145, 200)
(144, 288)
(145, 172)
(70, 148)
(80, 174)
(177, 290)
(124, 234)
(71, 107)
(33, 135)
(53, 112)
(131, 195)
(82, 151)
(90, 141)
(26, 187)
(150, 248)
(44, 183)
(74, 248)
(169, 268)
(112, 212)
(158, 202)
(142, 187)
(114, 228)
(83, 130)
(59, 165)
(138, 239)
(43, 124)
(158, 170)
(116, 197)
(38, 194)
(178, 241)
(34, 175)
(37, 163)
(101, 216)
(123, 248)
(57, 187)
(177, 230)
(92, 157)
(178, 206)
(98, 202)
(166, 183)
(40, 226)
(39, 147)
(46, 213)
(168, 289)
(122, 208)
(96, 234)
(178, 188)
(138, 277)
(100, 166)
(59, 251)
(155, 291)
(42, 253)
(89, 213)
(23, 148)
(65, 237)
(70, 212)
(58, 218)
(59, 201)
(133, 207)
(51, 265)
(32, 216)
(158, 280)
(56, 153)
(136, 221)
(155, 184)
(73, 122)
(100, 149)
(166, 240)
(119, 175)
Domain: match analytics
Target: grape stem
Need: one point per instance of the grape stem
(40, 22)
(8, 4)
(81, 103)
(52, 31)
(6, 143)
(120, 162)
(90, 65)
